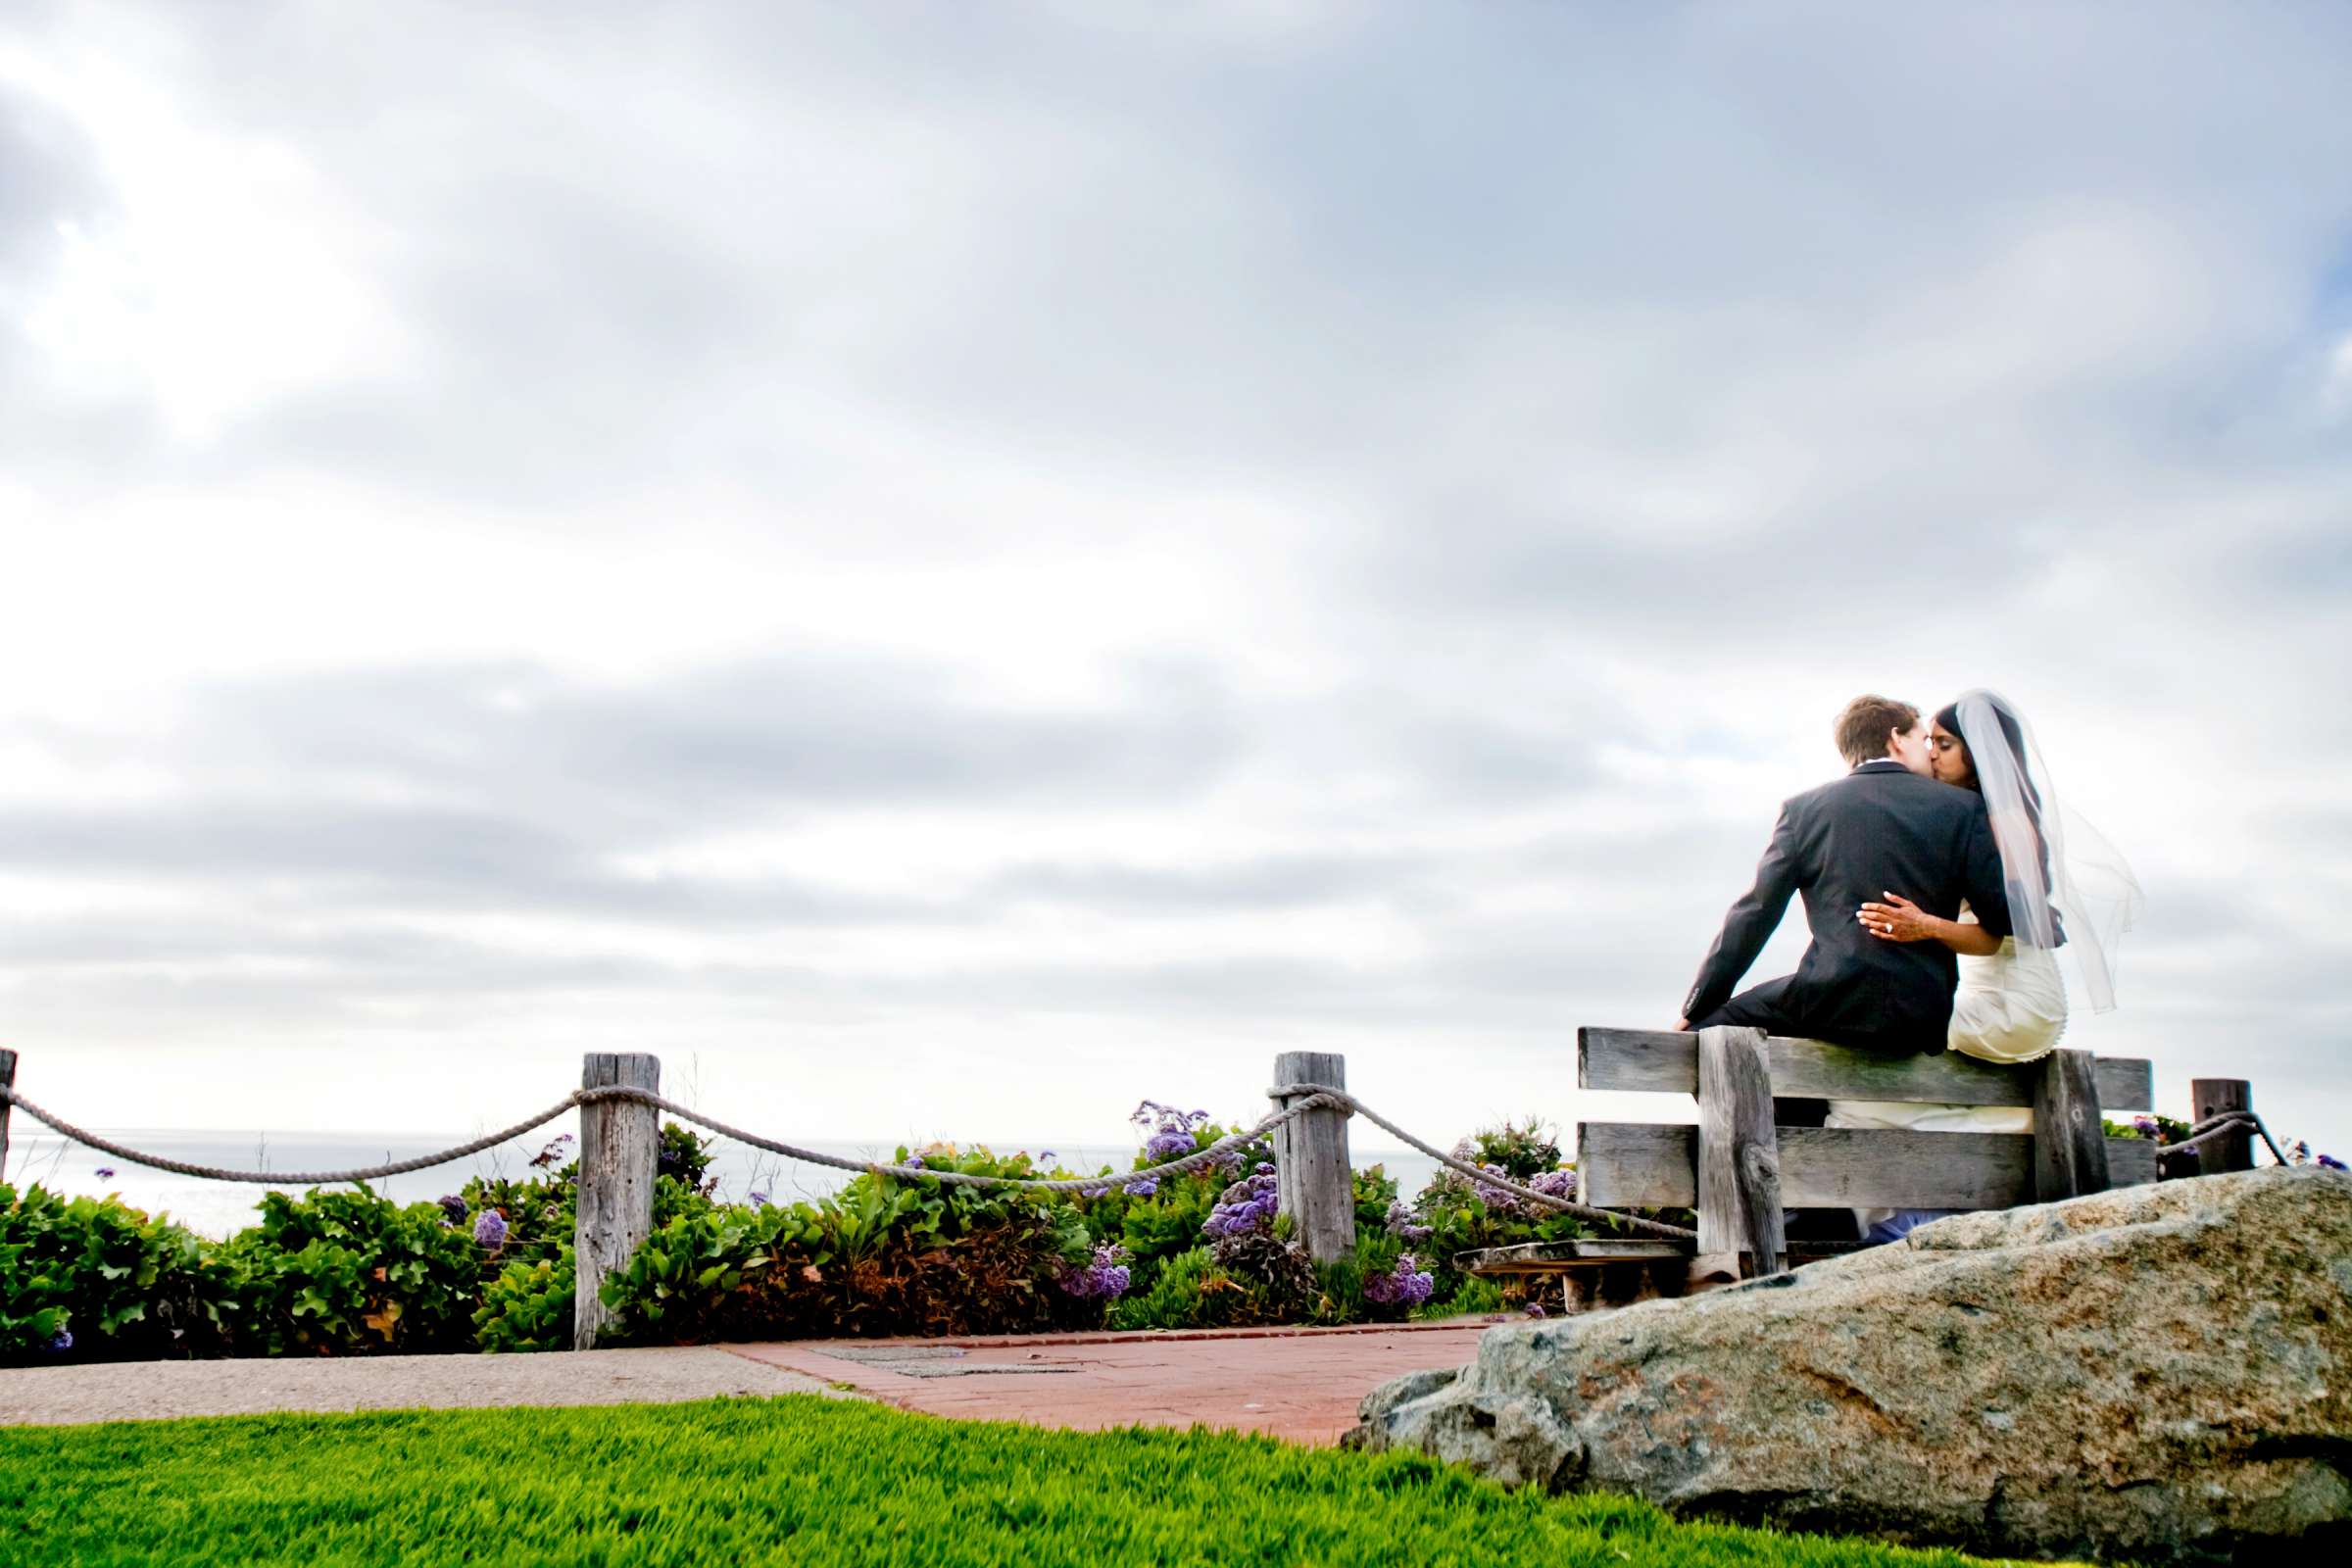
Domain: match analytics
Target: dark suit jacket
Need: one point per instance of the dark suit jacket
(1882, 828)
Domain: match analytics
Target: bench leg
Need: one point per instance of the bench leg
(1738, 1154)
(2070, 1145)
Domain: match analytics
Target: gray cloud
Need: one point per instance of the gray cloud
(1558, 403)
(770, 733)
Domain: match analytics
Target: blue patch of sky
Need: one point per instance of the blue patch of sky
(2331, 302)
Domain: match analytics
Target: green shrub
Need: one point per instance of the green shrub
(883, 1256)
(1191, 1291)
(684, 1156)
(541, 1211)
(528, 1306)
(1522, 1151)
(350, 1273)
(1375, 1190)
(91, 1279)
(1476, 1295)
(2156, 1129)
(1456, 1214)
(1166, 1224)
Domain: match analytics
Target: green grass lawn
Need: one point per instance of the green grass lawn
(798, 1479)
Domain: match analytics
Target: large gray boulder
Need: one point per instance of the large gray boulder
(2161, 1373)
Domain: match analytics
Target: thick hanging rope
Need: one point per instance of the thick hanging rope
(1302, 1098)
(1210, 1155)
(2221, 1126)
(1479, 1174)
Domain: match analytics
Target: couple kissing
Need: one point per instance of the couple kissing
(1940, 879)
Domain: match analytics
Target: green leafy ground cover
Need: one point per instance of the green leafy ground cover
(802, 1481)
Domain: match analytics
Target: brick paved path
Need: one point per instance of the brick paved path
(1300, 1384)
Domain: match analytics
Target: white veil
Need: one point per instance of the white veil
(2066, 883)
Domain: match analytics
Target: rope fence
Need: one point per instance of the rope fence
(1311, 1098)
(1301, 1099)
(2221, 1126)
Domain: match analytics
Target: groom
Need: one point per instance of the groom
(1887, 826)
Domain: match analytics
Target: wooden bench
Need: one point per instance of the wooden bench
(1739, 1169)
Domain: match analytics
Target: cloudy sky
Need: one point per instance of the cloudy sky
(944, 568)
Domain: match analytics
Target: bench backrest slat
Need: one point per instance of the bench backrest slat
(1666, 1061)
(1655, 1165)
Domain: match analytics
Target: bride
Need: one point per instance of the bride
(2066, 886)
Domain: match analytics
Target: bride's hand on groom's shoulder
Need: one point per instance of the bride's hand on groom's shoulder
(1899, 919)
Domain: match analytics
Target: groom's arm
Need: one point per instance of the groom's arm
(1749, 926)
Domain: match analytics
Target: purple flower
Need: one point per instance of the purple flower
(759, 1200)
(1405, 1285)
(1171, 1130)
(1247, 1206)
(1169, 1143)
(490, 1230)
(1141, 1189)
(1104, 1273)
(914, 1163)
(62, 1343)
(2331, 1162)
(452, 1208)
(1401, 1223)
(1534, 1309)
(1044, 1155)
(2145, 1126)
(106, 1173)
(1555, 1183)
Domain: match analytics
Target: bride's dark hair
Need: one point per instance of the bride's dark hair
(1947, 719)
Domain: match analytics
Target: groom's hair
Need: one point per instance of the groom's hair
(1863, 728)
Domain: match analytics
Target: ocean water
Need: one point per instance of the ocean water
(220, 1208)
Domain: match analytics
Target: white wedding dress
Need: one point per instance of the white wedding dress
(2010, 1008)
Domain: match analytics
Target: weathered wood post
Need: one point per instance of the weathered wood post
(1739, 1155)
(8, 1080)
(1315, 1183)
(620, 1141)
(2215, 1096)
(2070, 1145)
